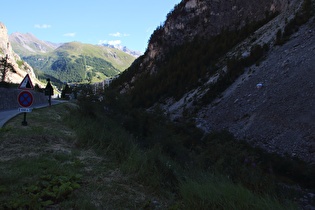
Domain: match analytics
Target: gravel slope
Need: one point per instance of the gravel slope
(279, 116)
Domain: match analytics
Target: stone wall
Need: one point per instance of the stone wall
(8, 98)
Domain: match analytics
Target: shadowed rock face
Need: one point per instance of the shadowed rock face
(204, 18)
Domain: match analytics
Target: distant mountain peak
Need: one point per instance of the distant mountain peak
(27, 44)
(124, 49)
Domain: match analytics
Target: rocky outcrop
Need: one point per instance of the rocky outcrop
(200, 18)
(20, 70)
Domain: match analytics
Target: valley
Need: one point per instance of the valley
(218, 113)
(70, 62)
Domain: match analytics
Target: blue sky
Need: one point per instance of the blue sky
(126, 22)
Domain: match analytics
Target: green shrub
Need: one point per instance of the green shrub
(50, 189)
(20, 63)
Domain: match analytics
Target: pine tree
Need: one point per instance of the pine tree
(5, 67)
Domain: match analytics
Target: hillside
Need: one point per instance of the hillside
(203, 64)
(78, 62)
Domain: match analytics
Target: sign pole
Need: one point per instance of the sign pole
(24, 123)
(25, 98)
(49, 100)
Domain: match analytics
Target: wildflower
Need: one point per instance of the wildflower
(246, 160)
(253, 164)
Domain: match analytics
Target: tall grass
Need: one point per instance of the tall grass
(210, 192)
(151, 166)
(163, 156)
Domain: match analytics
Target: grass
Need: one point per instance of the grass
(157, 154)
(220, 193)
(42, 167)
(88, 157)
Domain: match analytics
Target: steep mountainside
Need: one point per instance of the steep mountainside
(28, 44)
(76, 62)
(230, 65)
(200, 19)
(20, 67)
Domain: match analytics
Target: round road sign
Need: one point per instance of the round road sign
(25, 99)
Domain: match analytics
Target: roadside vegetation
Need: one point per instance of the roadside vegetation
(171, 157)
(108, 155)
(44, 166)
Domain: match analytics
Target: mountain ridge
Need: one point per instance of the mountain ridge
(77, 62)
(28, 44)
(41, 54)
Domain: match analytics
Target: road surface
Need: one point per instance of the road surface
(6, 115)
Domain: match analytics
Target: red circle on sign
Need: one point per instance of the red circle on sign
(25, 99)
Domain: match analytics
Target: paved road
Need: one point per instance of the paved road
(6, 115)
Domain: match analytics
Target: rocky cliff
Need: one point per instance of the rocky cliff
(21, 68)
